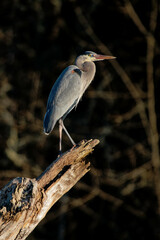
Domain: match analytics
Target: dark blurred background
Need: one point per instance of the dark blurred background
(120, 197)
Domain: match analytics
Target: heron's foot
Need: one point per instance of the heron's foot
(74, 145)
(60, 153)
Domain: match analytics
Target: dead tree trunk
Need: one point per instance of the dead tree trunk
(24, 202)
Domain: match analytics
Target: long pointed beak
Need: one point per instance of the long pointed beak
(102, 57)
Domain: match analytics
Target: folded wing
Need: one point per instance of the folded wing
(63, 96)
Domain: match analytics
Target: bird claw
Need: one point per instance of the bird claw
(73, 147)
(59, 155)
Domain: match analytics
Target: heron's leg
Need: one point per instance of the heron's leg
(62, 124)
(60, 136)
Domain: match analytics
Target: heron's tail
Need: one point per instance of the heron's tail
(48, 122)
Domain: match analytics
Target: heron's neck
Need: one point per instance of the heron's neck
(87, 67)
(88, 72)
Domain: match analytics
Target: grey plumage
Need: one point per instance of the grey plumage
(68, 90)
(62, 98)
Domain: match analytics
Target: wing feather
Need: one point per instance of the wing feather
(63, 96)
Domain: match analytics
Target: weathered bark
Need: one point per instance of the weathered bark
(24, 202)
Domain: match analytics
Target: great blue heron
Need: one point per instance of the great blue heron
(68, 90)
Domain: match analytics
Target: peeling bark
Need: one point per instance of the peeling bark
(24, 202)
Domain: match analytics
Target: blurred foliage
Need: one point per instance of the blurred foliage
(120, 197)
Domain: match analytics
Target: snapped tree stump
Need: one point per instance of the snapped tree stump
(24, 202)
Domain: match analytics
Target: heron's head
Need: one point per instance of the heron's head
(89, 56)
(92, 56)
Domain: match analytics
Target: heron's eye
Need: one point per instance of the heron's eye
(90, 55)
